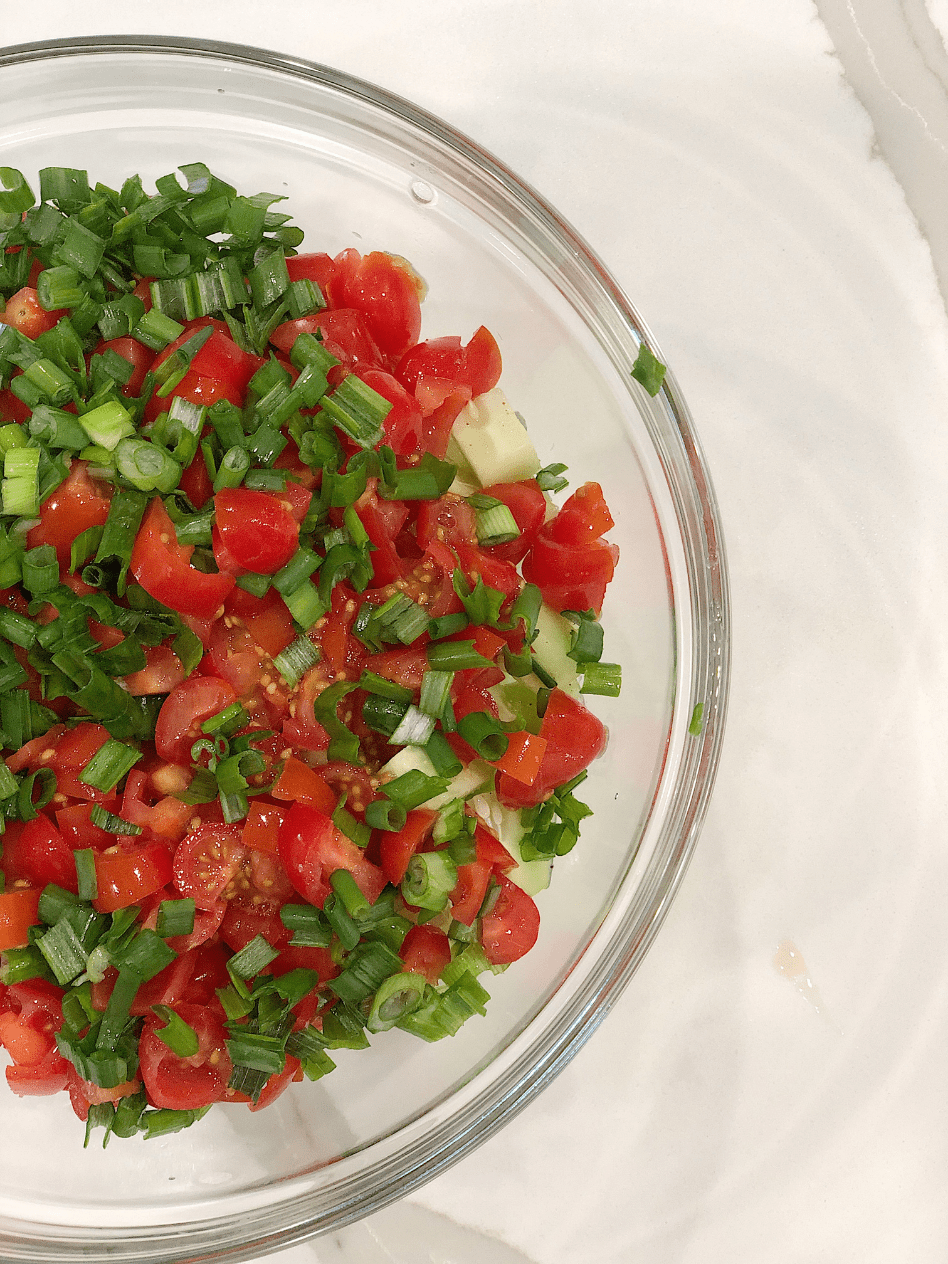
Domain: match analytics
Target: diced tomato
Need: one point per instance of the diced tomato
(176, 1083)
(574, 738)
(320, 268)
(162, 672)
(570, 576)
(75, 505)
(448, 520)
(183, 712)
(511, 927)
(196, 482)
(298, 783)
(583, 518)
(312, 848)
(257, 530)
(523, 757)
(344, 333)
(37, 853)
(476, 366)
(398, 847)
(163, 568)
(18, 912)
(207, 862)
(426, 950)
(385, 289)
(129, 873)
(23, 312)
(261, 829)
(12, 408)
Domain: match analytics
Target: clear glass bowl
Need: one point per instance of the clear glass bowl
(363, 168)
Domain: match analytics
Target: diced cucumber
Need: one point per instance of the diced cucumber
(529, 875)
(552, 641)
(411, 758)
(491, 439)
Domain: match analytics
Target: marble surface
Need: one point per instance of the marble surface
(766, 179)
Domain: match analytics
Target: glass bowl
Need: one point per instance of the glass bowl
(363, 168)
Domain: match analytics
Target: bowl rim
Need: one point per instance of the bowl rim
(695, 776)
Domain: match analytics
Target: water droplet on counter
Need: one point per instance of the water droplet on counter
(788, 961)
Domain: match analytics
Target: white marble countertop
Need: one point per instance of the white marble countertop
(766, 179)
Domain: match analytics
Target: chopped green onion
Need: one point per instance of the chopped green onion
(109, 765)
(19, 491)
(234, 465)
(40, 569)
(485, 734)
(357, 410)
(298, 657)
(175, 917)
(111, 823)
(178, 1035)
(146, 955)
(345, 887)
(495, 523)
(429, 879)
(85, 873)
(396, 997)
(452, 656)
(308, 925)
(602, 678)
(385, 815)
(648, 370)
(252, 958)
(413, 788)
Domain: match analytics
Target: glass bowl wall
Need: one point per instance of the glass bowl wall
(361, 168)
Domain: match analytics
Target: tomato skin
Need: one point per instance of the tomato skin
(257, 530)
(312, 848)
(163, 568)
(344, 333)
(511, 927)
(125, 876)
(574, 738)
(570, 577)
(318, 267)
(186, 1083)
(24, 312)
(18, 912)
(476, 367)
(183, 712)
(163, 671)
(584, 517)
(75, 505)
(527, 503)
(426, 950)
(196, 482)
(38, 854)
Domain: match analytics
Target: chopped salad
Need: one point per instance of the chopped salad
(292, 643)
